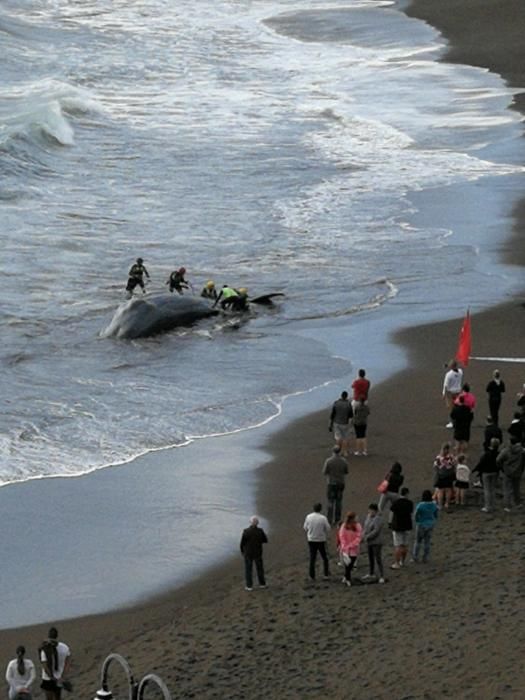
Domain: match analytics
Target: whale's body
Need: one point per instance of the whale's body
(150, 315)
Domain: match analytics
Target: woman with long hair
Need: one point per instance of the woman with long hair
(349, 539)
(19, 675)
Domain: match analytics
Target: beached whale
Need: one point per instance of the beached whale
(146, 316)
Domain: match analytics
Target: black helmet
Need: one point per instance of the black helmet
(140, 261)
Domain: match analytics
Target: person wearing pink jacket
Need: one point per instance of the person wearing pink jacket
(349, 542)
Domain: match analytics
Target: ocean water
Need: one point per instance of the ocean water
(266, 145)
(278, 146)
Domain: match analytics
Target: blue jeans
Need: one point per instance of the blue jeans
(423, 538)
(490, 482)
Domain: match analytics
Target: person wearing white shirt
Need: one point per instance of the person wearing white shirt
(317, 529)
(19, 675)
(55, 658)
(452, 386)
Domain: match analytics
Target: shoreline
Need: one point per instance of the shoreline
(298, 452)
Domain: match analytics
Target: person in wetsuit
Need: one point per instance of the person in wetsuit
(209, 291)
(177, 282)
(240, 303)
(136, 277)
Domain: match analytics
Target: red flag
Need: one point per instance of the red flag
(465, 341)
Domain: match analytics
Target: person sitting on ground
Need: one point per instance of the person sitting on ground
(402, 510)
(136, 277)
(462, 482)
(177, 282)
(227, 297)
(20, 675)
(349, 539)
(209, 291)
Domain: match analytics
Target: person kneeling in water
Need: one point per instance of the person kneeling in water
(209, 291)
(227, 297)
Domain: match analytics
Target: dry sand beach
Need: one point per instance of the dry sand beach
(448, 629)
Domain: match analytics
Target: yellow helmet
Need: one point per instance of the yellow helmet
(210, 284)
(243, 291)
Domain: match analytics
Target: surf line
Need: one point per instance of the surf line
(500, 359)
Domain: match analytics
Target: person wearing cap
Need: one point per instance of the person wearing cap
(209, 291)
(136, 277)
(227, 297)
(252, 540)
(176, 280)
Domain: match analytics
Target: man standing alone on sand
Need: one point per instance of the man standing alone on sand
(317, 529)
(360, 387)
(252, 541)
(55, 658)
(335, 469)
(452, 386)
(340, 418)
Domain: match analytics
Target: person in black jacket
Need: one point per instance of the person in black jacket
(495, 391)
(252, 541)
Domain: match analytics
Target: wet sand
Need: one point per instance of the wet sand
(451, 628)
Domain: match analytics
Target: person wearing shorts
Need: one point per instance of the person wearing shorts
(361, 413)
(340, 418)
(402, 510)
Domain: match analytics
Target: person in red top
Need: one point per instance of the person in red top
(360, 386)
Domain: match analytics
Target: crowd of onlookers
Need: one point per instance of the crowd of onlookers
(456, 482)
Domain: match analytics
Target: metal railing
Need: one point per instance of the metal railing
(136, 689)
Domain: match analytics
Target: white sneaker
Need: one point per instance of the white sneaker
(381, 580)
(246, 588)
(395, 565)
(450, 424)
(348, 583)
(484, 510)
(507, 510)
(365, 453)
(357, 454)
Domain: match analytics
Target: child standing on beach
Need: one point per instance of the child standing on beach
(425, 516)
(349, 541)
(462, 482)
